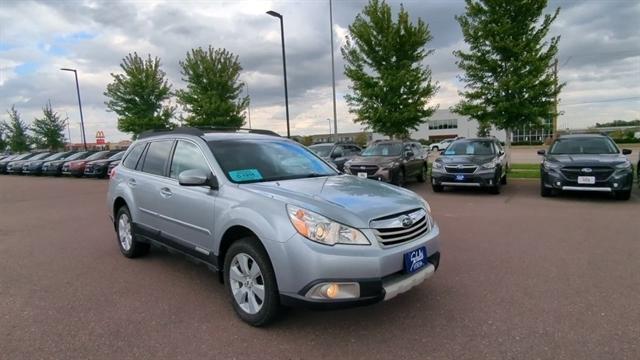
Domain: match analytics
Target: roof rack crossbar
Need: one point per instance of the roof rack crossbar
(200, 131)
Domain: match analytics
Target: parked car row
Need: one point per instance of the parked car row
(75, 163)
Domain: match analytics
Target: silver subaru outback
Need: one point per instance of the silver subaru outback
(280, 225)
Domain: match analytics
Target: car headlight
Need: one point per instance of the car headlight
(318, 228)
(624, 166)
(389, 165)
(437, 165)
(550, 166)
(426, 206)
(490, 165)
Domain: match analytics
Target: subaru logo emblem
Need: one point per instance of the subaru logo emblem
(406, 221)
(460, 166)
(362, 167)
(586, 170)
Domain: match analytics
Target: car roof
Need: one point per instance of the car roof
(588, 135)
(478, 139)
(213, 134)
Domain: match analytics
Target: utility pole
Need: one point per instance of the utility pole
(248, 106)
(555, 102)
(333, 75)
(84, 138)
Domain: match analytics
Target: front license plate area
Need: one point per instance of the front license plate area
(587, 180)
(415, 260)
(459, 177)
(362, 175)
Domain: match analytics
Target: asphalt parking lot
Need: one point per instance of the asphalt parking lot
(521, 277)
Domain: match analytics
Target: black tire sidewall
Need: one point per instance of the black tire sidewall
(271, 305)
(137, 248)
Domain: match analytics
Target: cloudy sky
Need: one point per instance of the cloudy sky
(599, 55)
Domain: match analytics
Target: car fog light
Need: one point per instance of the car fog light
(331, 291)
(615, 185)
(558, 183)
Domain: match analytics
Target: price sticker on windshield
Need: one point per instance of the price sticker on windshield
(245, 175)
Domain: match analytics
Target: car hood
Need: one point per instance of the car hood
(344, 198)
(373, 160)
(98, 162)
(465, 159)
(587, 159)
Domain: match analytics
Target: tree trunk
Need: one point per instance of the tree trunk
(507, 144)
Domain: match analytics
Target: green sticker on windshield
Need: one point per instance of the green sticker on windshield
(245, 175)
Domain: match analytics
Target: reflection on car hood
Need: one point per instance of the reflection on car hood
(588, 159)
(373, 160)
(345, 198)
(465, 159)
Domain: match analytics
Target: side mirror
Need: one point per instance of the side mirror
(442, 152)
(501, 152)
(197, 177)
(336, 154)
(542, 152)
(408, 154)
(626, 152)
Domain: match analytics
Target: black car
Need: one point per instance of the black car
(586, 162)
(55, 167)
(479, 162)
(336, 153)
(15, 167)
(5, 162)
(112, 165)
(34, 167)
(100, 168)
(638, 171)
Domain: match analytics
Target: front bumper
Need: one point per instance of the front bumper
(301, 264)
(479, 178)
(72, 171)
(51, 169)
(381, 174)
(620, 180)
(95, 171)
(14, 169)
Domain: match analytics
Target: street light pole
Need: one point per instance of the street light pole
(84, 139)
(284, 67)
(333, 75)
(329, 120)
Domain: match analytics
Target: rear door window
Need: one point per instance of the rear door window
(133, 156)
(157, 156)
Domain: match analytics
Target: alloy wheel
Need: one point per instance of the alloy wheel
(247, 283)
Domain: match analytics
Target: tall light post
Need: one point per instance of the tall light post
(329, 120)
(249, 105)
(84, 139)
(333, 74)
(284, 67)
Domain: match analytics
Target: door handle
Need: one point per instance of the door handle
(132, 182)
(166, 192)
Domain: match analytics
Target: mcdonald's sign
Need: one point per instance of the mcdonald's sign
(100, 137)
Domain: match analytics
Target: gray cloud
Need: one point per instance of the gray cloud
(599, 51)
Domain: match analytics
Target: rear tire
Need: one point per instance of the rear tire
(127, 239)
(437, 188)
(622, 195)
(399, 178)
(422, 176)
(253, 276)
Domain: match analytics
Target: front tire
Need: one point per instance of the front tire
(622, 195)
(399, 177)
(127, 239)
(251, 282)
(437, 188)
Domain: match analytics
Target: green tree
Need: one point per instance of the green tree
(3, 142)
(48, 131)
(140, 96)
(361, 139)
(507, 69)
(306, 140)
(213, 96)
(16, 131)
(384, 58)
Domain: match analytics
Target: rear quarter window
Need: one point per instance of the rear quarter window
(134, 155)
(155, 161)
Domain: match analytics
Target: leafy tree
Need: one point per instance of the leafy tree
(140, 95)
(16, 132)
(48, 131)
(384, 61)
(484, 129)
(306, 140)
(3, 142)
(618, 123)
(361, 139)
(213, 96)
(507, 69)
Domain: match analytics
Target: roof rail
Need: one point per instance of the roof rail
(200, 131)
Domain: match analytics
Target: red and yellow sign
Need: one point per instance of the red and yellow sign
(100, 137)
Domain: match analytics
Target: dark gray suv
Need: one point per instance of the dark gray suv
(337, 153)
(281, 225)
(480, 162)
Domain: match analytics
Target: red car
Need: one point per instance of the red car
(76, 167)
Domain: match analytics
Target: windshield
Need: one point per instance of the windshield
(321, 150)
(98, 155)
(249, 161)
(383, 149)
(470, 148)
(56, 156)
(40, 156)
(76, 156)
(586, 145)
(117, 156)
(20, 157)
